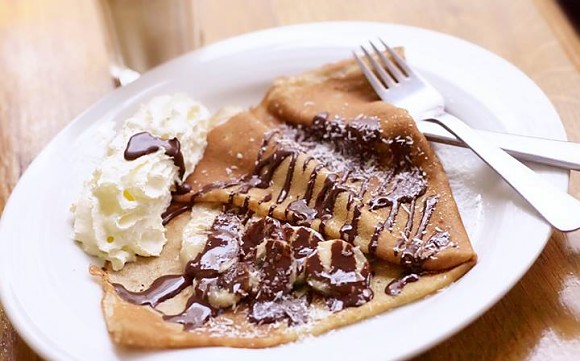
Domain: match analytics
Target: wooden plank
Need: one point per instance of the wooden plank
(52, 66)
(561, 16)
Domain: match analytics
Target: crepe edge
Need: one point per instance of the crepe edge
(141, 327)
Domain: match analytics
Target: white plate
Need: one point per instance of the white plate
(54, 303)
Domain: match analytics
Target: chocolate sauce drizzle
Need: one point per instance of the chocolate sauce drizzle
(221, 248)
(348, 150)
(226, 262)
(177, 208)
(354, 152)
(396, 286)
(348, 147)
(163, 288)
(196, 313)
(349, 231)
(414, 251)
(144, 143)
(304, 242)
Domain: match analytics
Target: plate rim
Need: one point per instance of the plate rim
(27, 331)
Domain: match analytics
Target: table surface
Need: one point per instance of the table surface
(53, 64)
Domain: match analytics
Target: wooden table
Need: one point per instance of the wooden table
(53, 64)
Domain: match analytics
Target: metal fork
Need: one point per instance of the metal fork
(403, 87)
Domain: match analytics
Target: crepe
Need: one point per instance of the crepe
(143, 327)
(327, 123)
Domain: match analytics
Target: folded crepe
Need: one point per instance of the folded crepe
(321, 155)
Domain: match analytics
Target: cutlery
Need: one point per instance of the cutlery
(405, 88)
(555, 153)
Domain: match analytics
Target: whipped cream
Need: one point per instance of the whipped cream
(118, 214)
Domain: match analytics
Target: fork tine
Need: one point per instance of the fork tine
(400, 62)
(389, 81)
(371, 77)
(396, 73)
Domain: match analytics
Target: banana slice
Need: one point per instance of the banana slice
(221, 250)
(341, 271)
(275, 270)
(259, 230)
(194, 236)
(227, 289)
(304, 242)
(210, 251)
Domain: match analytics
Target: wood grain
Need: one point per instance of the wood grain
(53, 64)
(559, 16)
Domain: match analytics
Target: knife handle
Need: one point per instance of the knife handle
(555, 153)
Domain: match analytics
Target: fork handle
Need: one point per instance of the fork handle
(559, 208)
(555, 153)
